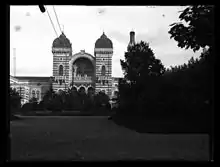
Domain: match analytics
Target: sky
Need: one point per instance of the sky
(32, 34)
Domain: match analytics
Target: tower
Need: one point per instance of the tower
(132, 39)
(103, 57)
(62, 51)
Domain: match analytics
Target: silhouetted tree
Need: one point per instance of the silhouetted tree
(49, 95)
(141, 70)
(140, 62)
(197, 32)
(33, 100)
(196, 29)
(15, 100)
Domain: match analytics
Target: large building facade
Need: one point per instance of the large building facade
(81, 71)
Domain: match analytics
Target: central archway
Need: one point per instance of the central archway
(84, 67)
(81, 56)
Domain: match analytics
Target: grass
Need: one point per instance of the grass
(164, 125)
(13, 117)
(91, 112)
(97, 138)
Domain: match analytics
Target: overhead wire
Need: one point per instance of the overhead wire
(57, 19)
(51, 21)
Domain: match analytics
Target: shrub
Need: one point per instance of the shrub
(27, 107)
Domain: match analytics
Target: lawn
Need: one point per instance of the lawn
(97, 138)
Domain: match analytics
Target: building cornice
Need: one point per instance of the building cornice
(103, 50)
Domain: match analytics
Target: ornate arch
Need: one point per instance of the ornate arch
(82, 86)
(74, 87)
(77, 56)
(90, 86)
(60, 89)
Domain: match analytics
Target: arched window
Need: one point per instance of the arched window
(91, 90)
(38, 94)
(74, 89)
(82, 90)
(61, 70)
(103, 70)
(60, 91)
(115, 93)
(33, 93)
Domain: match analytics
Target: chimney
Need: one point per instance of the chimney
(132, 40)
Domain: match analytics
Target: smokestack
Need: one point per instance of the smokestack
(14, 57)
(132, 40)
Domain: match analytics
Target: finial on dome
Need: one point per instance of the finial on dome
(103, 35)
(62, 34)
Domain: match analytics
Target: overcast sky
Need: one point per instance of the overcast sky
(32, 34)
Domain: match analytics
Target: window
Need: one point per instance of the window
(33, 93)
(115, 93)
(61, 70)
(103, 70)
(60, 91)
(38, 94)
(103, 82)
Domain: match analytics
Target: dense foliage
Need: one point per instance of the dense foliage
(71, 100)
(181, 93)
(141, 70)
(196, 29)
(15, 99)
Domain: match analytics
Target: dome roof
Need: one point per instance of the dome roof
(62, 42)
(103, 42)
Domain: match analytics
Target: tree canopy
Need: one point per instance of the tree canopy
(196, 29)
(140, 62)
(15, 99)
(141, 69)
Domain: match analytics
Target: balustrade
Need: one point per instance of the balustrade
(84, 78)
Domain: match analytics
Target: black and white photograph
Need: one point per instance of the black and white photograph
(111, 83)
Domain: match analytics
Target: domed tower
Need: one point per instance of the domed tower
(103, 55)
(62, 51)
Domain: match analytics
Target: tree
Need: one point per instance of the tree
(140, 63)
(141, 70)
(198, 29)
(33, 100)
(196, 33)
(15, 99)
(49, 95)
